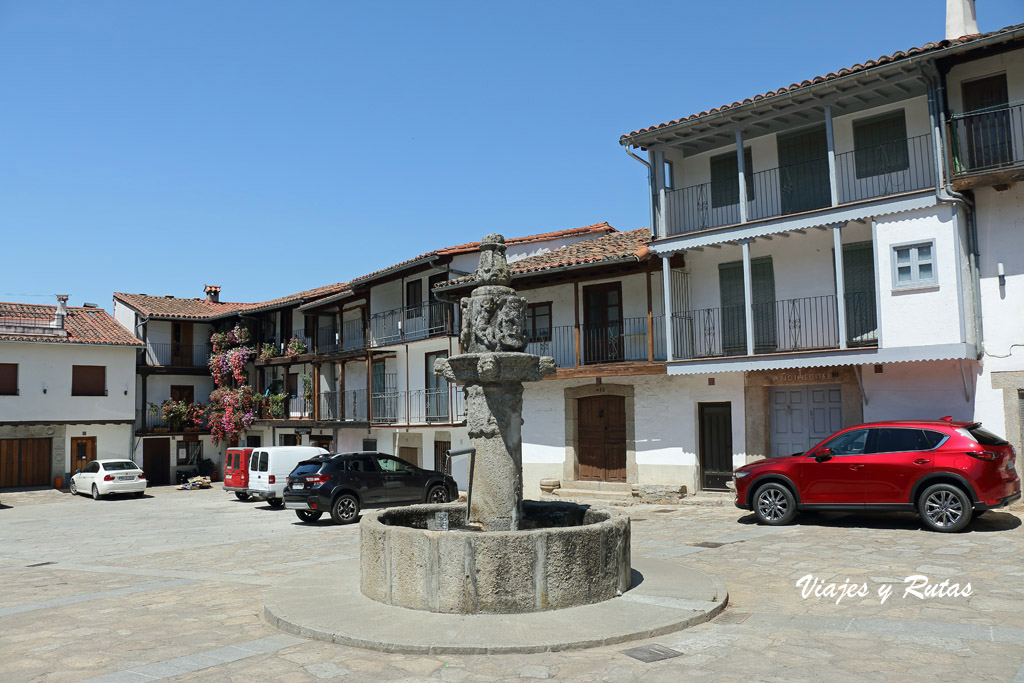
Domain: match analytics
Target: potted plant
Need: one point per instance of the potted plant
(277, 405)
(267, 351)
(296, 347)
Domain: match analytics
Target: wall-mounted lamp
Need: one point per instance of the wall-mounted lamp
(1002, 275)
(44, 387)
(125, 389)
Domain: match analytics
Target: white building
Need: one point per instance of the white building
(832, 273)
(67, 391)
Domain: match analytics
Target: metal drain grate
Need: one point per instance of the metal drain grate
(731, 617)
(651, 653)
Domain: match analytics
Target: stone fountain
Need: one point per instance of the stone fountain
(503, 554)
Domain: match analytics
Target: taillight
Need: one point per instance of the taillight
(109, 477)
(983, 455)
(272, 479)
(318, 478)
(142, 475)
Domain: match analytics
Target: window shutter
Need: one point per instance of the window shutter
(8, 379)
(880, 145)
(725, 179)
(88, 380)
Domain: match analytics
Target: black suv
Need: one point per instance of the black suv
(342, 483)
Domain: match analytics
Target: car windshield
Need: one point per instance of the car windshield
(120, 465)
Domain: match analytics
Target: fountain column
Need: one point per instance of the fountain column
(492, 369)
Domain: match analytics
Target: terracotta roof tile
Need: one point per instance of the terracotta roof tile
(856, 68)
(83, 325)
(618, 246)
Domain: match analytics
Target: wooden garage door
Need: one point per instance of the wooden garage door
(24, 462)
(156, 461)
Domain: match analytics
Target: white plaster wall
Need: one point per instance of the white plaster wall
(50, 363)
(917, 391)
(112, 441)
(926, 316)
(355, 375)
(386, 296)
(1010, 63)
(126, 316)
(159, 332)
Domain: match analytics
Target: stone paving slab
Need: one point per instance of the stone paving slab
(666, 598)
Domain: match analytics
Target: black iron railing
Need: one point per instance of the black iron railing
(558, 342)
(353, 335)
(176, 355)
(147, 420)
(861, 319)
(987, 139)
(883, 170)
(327, 340)
(329, 407)
(419, 321)
(353, 406)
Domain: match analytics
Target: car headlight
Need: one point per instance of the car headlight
(740, 475)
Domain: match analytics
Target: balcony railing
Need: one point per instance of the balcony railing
(558, 342)
(327, 340)
(353, 335)
(867, 173)
(419, 406)
(420, 321)
(787, 325)
(620, 341)
(147, 421)
(987, 139)
(175, 355)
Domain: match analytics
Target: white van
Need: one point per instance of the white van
(269, 468)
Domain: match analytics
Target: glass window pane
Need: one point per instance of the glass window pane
(903, 274)
(903, 256)
(924, 253)
(924, 271)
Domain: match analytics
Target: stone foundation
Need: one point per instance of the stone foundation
(564, 555)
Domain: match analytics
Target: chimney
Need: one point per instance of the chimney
(212, 294)
(62, 311)
(960, 19)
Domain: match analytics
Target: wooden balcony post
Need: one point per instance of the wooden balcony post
(650, 320)
(576, 327)
(837, 249)
(748, 296)
(833, 182)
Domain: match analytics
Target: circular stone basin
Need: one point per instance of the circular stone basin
(566, 555)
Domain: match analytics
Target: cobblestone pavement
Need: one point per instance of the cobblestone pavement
(171, 587)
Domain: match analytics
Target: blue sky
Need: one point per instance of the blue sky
(271, 147)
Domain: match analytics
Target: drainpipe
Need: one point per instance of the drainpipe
(944, 191)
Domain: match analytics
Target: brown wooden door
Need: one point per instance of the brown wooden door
(83, 452)
(181, 345)
(409, 454)
(156, 461)
(24, 462)
(602, 323)
(989, 139)
(441, 449)
(715, 444)
(601, 440)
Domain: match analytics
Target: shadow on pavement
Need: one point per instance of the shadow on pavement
(990, 521)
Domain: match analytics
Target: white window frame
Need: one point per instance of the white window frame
(916, 281)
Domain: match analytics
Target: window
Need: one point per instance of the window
(288, 440)
(414, 298)
(92, 468)
(388, 463)
(258, 461)
(849, 443)
(183, 392)
(725, 178)
(913, 265)
(369, 444)
(88, 380)
(293, 385)
(901, 440)
(189, 452)
(538, 322)
(669, 175)
(8, 379)
(880, 144)
(253, 441)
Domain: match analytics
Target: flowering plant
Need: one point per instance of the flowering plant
(182, 414)
(296, 347)
(219, 341)
(230, 364)
(231, 411)
(267, 351)
(239, 335)
(307, 387)
(276, 402)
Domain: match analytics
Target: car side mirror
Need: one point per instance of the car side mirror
(823, 454)
(78, 471)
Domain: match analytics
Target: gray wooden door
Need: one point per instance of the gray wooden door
(801, 416)
(803, 171)
(859, 283)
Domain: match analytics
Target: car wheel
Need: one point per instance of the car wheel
(241, 495)
(95, 492)
(345, 509)
(74, 488)
(308, 515)
(945, 508)
(437, 495)
(774, 504)
(275, 502)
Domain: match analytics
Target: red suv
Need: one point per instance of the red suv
(945, 470)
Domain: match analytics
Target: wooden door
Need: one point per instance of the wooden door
(989, 140)
(409, 454)
(24, 462)
(715, 444)
(803, 171)
(181, 345)
(156, 461)
(602, 323)
(83, 451)
(601, 438)
(441, 449)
